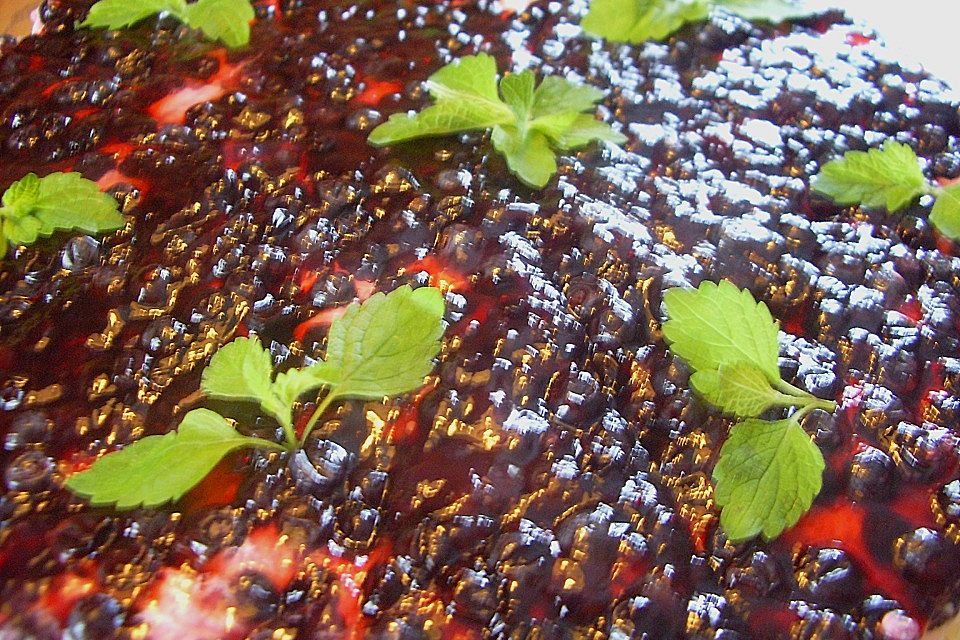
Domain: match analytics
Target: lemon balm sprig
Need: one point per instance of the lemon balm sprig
(381, 348)
(888, 178)
(529, 122)
(768, 472)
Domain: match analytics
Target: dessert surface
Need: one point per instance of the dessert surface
(553, 478)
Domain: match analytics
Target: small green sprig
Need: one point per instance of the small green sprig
(35, 207)
(768, 472)
(528, 121)
(636, 21)
(384, 347)
(888, 178)
(224, 20)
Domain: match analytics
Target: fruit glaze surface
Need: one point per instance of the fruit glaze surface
(552, 479)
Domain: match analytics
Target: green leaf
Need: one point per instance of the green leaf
(556, 94)
(239, 370)
(292, 384)
(946, 212)
(22, 195)
(243, 370)
(530, 157)
(158, 469)
(765, 10)
(471, 78)
(717, 325)
(437, 120)
(518, 92)
(879, 178)
(119, 14)
(766, 478)
(524, 120)
(741, 390)
(612, 20)
(467, 100)
(385, 346)
(556, 112)
(21, 230)
(637, 21)
(224, 20)
(34, 207)
(584, 130)
(70, 201)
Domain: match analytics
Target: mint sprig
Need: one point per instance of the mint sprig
(35, 207)
(888, 178)
(529, 122)
(768, 473)
(384, 347)
(636, 21)
(224, 20)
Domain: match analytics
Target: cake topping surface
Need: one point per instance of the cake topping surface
(552, 479)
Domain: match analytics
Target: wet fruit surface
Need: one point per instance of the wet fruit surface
(552, 480)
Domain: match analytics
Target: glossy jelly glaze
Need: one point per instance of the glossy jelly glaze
(552, 479)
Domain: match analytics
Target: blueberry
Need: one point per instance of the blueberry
(757, 575)
(94, 617)
(871, 475)
(827, 576)
(31, 471)
(922, 555)
(946, 506)
(318, 469)
(29, 427)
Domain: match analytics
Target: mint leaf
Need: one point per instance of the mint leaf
(70, 201)
(385, 346)
(243, 370)
(22, 195)
(765, 10)
(224, 20)
(528, 156)
(437, 120)
(879, 178)
(527, 120)
(119, 14)
(717, 325)
(22, 229)
(551, 112)
(637, 21)
(239, 370)
(557, 95)
(946, 212)
(767, 477)
(158, 469)
(34, 207)
(740, 389)
(472, 78)
(292, 384)
(467, 99)
(518, 92)
(582, 131)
